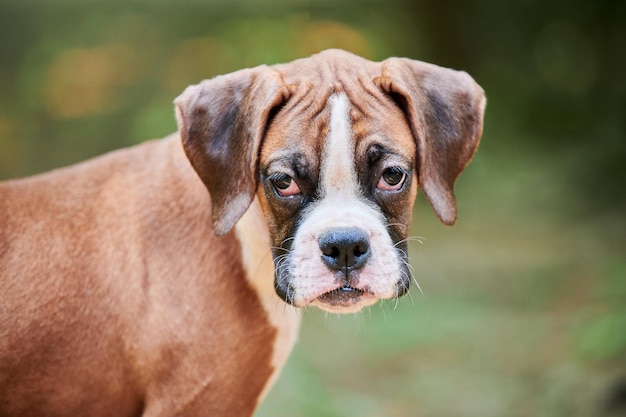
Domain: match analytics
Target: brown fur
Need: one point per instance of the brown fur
(114, 309)
(126, 289)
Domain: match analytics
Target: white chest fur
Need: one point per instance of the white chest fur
(253, 234)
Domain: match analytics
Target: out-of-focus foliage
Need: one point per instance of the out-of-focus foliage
(104, 74)
(524, 312)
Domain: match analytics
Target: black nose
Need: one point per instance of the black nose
(344, 248)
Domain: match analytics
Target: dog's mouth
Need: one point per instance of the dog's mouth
(345, 298)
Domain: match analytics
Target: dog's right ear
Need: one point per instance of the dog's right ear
(222, 122)
(445, 111)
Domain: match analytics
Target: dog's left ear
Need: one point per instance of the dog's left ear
(222, 122)
(445, 111)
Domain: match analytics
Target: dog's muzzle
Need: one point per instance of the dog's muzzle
(345, 250)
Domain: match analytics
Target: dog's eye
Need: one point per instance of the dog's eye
(285, 185)
(392, 179)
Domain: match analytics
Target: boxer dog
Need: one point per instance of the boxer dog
(127, 289)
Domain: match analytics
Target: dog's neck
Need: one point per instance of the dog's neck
(253, 236)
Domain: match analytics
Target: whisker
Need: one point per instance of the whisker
(403, 254)
(283, 243)
(280, 248)
(418, 239)
(382, 305)
(411, 298)
(288, 239)
(419, 287)
(410, 269)
(404, 226)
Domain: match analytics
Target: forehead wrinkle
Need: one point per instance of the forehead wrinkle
(369, 120)
(308, 102)
(298, 126)
(367, 117)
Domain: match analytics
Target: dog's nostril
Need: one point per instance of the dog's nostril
(331, 251)
(344, 248)
(360, 250)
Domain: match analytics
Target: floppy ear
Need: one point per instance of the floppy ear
(445, 111)
(222, 122)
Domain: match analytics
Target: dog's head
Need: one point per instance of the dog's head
(334, 146)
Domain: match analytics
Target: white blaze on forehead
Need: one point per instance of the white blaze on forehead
(337, 172)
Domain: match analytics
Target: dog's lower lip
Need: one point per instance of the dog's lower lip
(346, 289)
(343, 296)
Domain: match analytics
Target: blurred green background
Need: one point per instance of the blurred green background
(524, 305)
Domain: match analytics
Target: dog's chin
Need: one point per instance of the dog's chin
(344, 300)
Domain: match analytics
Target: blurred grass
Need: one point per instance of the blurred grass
(524, 306)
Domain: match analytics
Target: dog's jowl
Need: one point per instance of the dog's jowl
(165, 279)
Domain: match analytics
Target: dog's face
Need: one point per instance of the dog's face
(339, 198)
(333, 147)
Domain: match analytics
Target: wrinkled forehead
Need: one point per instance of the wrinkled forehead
(298, 126)
(302, 125)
